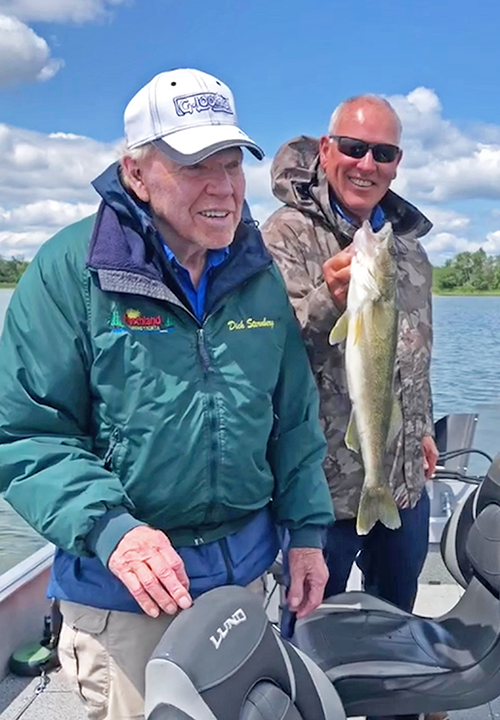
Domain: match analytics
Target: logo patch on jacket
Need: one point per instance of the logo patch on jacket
(133, 319)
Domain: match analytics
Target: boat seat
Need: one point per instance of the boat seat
(383, 660)
(222, 660)
(376, 632)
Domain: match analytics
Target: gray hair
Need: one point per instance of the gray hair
(357, 99)
(138, 153)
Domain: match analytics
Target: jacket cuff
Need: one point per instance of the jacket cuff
(308, 536)
(108, 531)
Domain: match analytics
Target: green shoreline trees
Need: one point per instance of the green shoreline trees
(11, 270)
(469, 273)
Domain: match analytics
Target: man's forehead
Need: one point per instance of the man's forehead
(365, 113)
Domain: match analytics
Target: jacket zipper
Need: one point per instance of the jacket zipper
(203, 352)
(227, 560)
(206, 363)
(114, 439)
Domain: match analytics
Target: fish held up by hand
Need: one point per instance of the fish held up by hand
(369, 327)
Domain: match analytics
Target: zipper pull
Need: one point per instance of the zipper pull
(202, 349)
(113, 441)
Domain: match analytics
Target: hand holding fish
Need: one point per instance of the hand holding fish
(337, 274)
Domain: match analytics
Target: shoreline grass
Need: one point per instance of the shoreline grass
(462, 292)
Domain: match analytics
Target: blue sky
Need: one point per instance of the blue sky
(68, 68)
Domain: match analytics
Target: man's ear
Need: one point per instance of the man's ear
(133, 177)
(400, 155)
(324, 148)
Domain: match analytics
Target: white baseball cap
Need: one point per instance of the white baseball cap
(187, 114)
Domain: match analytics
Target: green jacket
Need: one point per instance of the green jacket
(117, 407)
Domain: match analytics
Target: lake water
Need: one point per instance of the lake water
(465, 375)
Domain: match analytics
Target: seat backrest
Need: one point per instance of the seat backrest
(222, 660)
(463, 544)
(456, 432)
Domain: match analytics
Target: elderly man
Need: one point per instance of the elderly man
(329, 188)
(158, 416)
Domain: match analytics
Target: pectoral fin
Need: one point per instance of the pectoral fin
(351, 436)
(338, 333)
(396, 421)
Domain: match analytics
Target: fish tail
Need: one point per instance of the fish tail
(377, 504)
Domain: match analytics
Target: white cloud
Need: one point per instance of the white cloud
(57, 10)
(45, 214)
(24, 55)
(492, 244)
(443, 220)
(440, 161)
(260, 197)
(45, 185)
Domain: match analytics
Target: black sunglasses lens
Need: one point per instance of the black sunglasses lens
(384, 153)
(353, 148)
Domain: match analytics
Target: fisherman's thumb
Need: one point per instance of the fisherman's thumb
(295, 593)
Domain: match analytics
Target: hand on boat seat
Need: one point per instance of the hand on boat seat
(308, 578)
(431, 455)
(147, 564)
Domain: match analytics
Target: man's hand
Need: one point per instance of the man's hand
(337, 274)
(308, 577)
(151, 570)
(431, 455)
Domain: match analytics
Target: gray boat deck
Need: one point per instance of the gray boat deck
(437, 593)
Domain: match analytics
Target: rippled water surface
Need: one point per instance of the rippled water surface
(465, 375)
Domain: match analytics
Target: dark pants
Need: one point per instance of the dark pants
(390, 560)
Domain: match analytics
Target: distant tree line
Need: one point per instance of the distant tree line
(470, 272)
(11, 270)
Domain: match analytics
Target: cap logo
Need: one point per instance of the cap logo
(188, 104)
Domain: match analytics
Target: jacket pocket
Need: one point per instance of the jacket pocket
(83, 655)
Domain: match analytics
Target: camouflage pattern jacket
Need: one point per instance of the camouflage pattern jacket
(301, 236)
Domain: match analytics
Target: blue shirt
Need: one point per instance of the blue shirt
(377, 218)
(196, 296)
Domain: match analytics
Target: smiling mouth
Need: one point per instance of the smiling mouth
(215, 213)
(360, 182)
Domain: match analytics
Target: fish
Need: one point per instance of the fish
(369, 327)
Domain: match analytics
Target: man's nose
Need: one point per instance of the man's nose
(220, 183)
(367, 162)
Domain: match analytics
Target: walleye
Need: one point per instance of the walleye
(370, 328)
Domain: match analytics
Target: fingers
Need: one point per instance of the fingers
(295, 594)
(308, 578)
(152, 571)
(337, 274)
(341, 260)
(312, 599)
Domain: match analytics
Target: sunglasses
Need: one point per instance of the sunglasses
(382, 152)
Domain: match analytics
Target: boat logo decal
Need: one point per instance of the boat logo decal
(221, 634)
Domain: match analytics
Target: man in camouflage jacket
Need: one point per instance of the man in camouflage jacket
(327, 194)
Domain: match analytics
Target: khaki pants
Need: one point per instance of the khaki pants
(104, 654)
